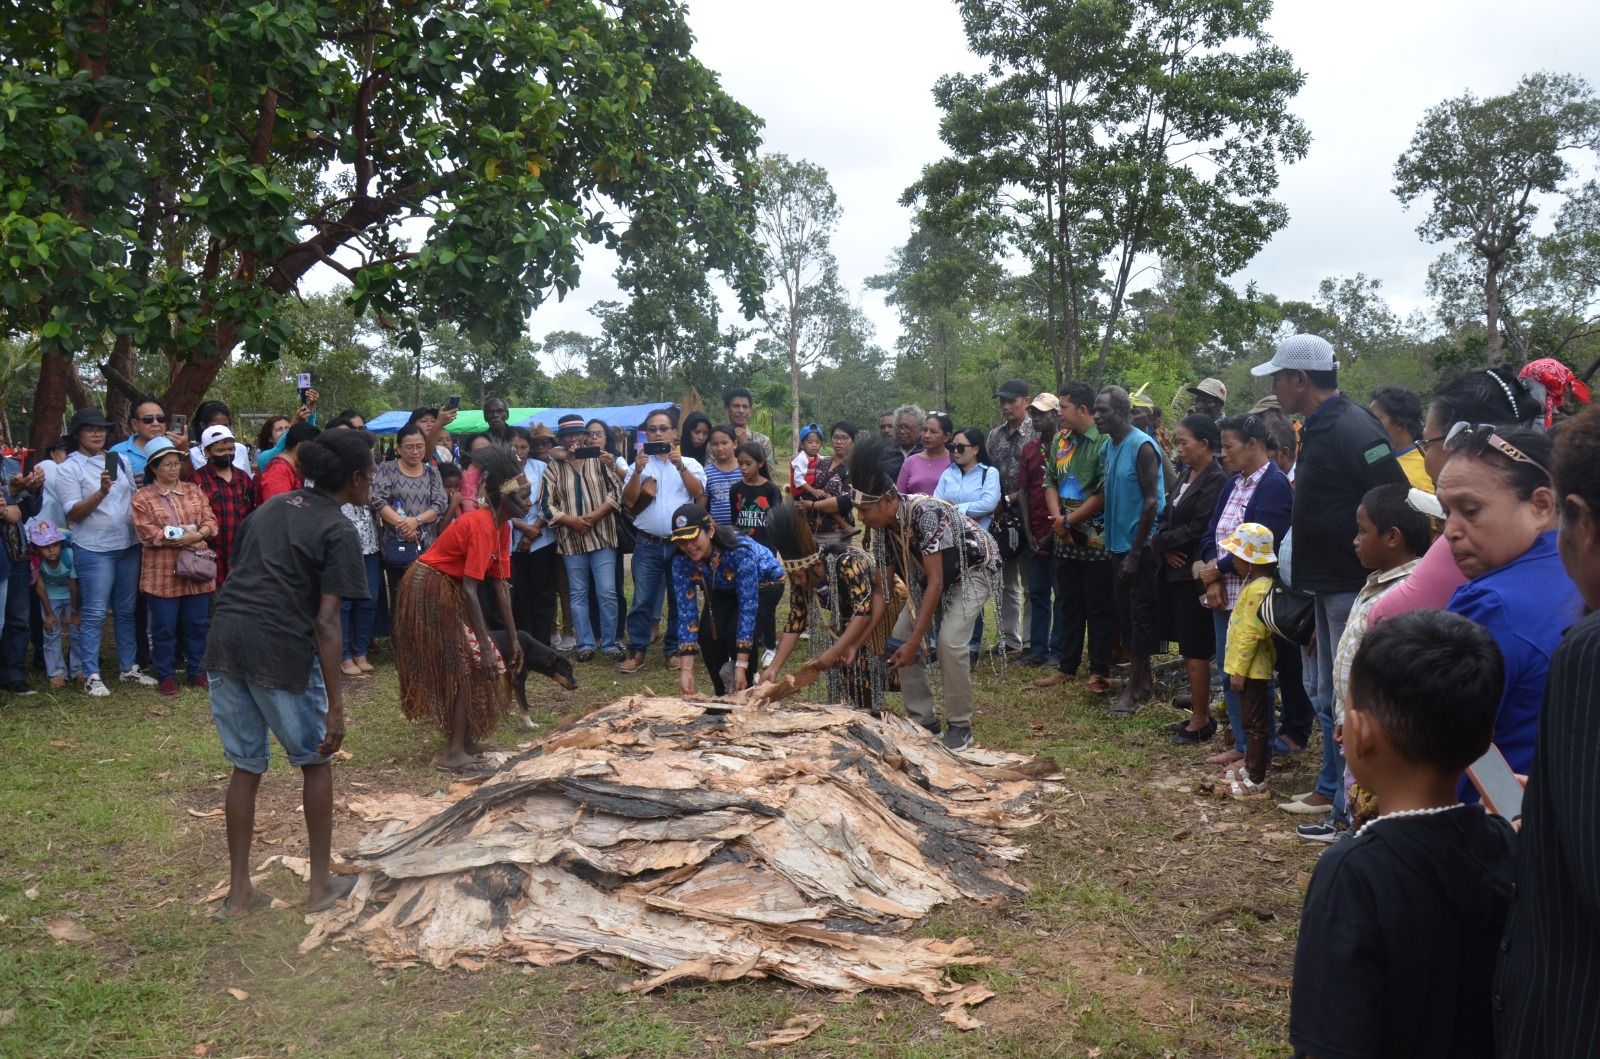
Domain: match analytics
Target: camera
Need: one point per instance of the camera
(172, 533)
(657, 448)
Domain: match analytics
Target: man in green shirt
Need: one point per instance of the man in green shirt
(1074, 472)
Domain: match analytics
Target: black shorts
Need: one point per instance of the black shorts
(1136, 602)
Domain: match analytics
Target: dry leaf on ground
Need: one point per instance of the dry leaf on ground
(208, 814)
(31, 893)
(64, 929)
(237, 993)
(796, 1029)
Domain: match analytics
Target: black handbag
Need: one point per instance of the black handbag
(399, 553)
(1290, 613)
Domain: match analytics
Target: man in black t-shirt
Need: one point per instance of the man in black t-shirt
(272, 658)
(1402, 923)
(1344, 453)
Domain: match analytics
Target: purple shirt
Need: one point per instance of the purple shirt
(920, 474)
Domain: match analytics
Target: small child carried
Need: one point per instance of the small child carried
(1250, 658)
(56, 584)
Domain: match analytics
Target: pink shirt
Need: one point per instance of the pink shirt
(920, 474)
(1430, 586)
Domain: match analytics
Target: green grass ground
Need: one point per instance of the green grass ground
(1161, 919)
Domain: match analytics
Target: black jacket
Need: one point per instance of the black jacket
(1187, 519)
(1344, 452)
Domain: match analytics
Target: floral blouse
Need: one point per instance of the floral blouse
(745, 570)
(832, 476)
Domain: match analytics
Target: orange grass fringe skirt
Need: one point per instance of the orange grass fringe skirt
(436, 652)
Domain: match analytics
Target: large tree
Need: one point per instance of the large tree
(1483, 166)
(806, 309)
(1104, 133)
(172, 170)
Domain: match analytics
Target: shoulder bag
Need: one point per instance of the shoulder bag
(1290, 613)
(194, 564)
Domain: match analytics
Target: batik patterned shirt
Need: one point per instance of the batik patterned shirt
(744, 569)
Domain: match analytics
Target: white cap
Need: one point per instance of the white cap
(1299, 353)
(211, 435)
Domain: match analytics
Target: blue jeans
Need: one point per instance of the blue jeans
(108, 582)
(1047, 626)
(1219, 622)
(355, 615)
(1333, 611)
(603, 564)
(193, 614)
(62, 656)
(652, 578)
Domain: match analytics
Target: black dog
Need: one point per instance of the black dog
(536, 658)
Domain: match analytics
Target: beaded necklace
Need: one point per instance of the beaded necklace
(1435, 811)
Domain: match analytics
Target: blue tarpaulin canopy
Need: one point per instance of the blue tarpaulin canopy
(471, 421)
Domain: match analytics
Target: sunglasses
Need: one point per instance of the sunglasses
(960, 448)
(1466, 435)
(147, 420)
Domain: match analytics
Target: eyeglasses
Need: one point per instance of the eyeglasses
(843, 437)
(960, 448)
(147, 420)
(1464, 434)
(1423, 443)
(658, 428)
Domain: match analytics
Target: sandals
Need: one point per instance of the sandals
(1242, 789)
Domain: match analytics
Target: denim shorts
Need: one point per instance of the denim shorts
(243, 713)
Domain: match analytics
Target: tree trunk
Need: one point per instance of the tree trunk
(191, 381)
(1494, 342)
(794, 387)
(49, 400)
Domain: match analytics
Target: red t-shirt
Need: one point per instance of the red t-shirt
(469, 548)
(279, 477)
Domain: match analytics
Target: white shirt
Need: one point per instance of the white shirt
(534, 470)
(241, 458)
(50, 509)
(671, 494)
(109, 527)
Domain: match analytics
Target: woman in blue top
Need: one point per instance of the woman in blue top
(741, 579)
(1500, 518)
(969, 482)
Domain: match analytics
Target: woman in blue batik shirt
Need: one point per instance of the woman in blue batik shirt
(741, 579)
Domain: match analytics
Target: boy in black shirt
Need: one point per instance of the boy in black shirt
(1402, 923)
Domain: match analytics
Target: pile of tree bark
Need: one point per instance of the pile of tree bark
(800, 842)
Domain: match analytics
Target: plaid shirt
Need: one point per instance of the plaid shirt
(230, 503)
(1232, 515)
(158, 569)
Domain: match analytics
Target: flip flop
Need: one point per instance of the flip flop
(222, 915)
(342, 885)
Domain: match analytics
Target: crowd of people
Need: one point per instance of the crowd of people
(1386, 576)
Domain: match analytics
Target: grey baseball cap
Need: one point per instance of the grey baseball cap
(1299, 353)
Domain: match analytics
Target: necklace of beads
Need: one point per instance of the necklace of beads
(1435, 811)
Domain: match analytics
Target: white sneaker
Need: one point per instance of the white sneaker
(137, 676)
(96, 687)
(565, 643)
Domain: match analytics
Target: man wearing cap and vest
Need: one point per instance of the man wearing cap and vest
(1344, 452)
(1004, 445)
(227, 486)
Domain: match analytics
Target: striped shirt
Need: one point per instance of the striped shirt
(577, 487)
(1546, 998)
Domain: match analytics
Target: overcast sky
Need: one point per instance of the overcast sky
(848, 85)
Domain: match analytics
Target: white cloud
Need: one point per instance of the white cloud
(848, 85)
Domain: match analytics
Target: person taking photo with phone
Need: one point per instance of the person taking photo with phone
(661, 480)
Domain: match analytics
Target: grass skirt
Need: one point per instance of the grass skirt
(436, 653)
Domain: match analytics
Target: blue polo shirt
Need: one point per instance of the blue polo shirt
(1527, 605)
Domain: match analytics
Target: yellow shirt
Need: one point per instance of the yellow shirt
(1250, 652)
(1416, 471)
